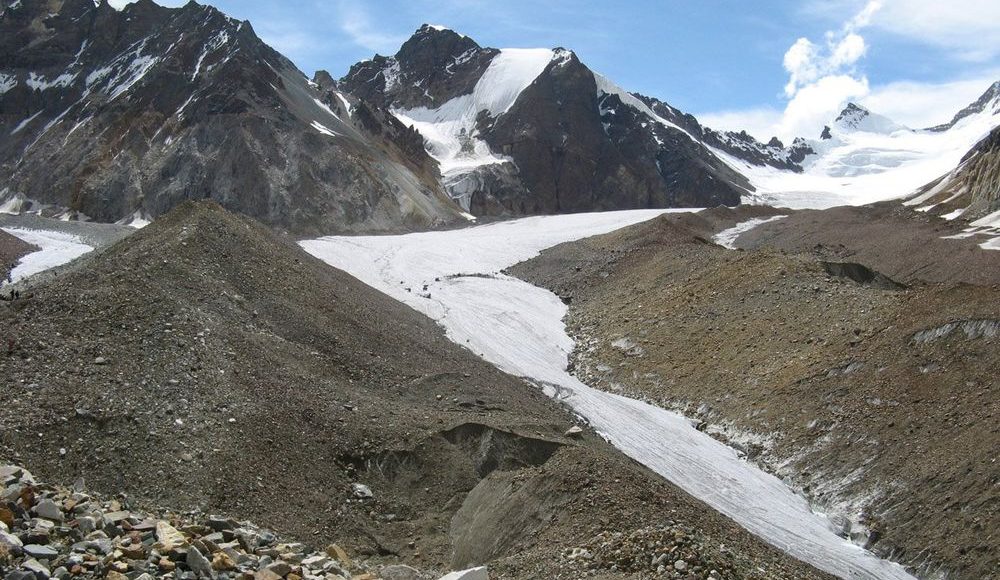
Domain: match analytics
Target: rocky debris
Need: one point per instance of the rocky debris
(205, 316)
(857, 394)
(669, 551)
(399, 572)
(54, 532)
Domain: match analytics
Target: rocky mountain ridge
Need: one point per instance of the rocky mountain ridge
(187, 103)
(522, 131)
(113, 115)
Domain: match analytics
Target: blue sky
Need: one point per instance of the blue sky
(917, 61)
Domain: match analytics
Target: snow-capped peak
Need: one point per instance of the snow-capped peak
(854, 117)
(435, 28)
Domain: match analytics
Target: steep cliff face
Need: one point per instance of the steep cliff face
(114, 114)
(972, 190)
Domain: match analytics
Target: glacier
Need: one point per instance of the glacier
(519, 328)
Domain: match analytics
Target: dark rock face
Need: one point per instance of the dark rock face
(741, 144)
(432, 67)
(852, 115)
(579, 149)
(112, 114)
(973, 185)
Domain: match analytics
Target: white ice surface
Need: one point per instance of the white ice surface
(727, 238)
(57, 248)
(519, 328)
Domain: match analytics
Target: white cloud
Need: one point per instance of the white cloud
(815, 104)
(969, 28)
(356, 23)
(824, 76)
(759, 122)
(848, 51)
(920, 105)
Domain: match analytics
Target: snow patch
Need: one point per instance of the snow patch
(215, 43)
(24, 123)
(391, 75)
(7, 82)
(124, 72)
(345, 102)
(40, 83)
(727, 238)
(324, 129)
(449, 131)
(137, 220)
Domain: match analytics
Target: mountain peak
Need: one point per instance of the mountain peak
(855, 117)
(435, 29)
(852, 112)
(989, 102)
(436, 42)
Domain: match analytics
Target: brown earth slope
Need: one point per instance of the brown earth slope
(207, 364)
(878, 402)
(904, 244)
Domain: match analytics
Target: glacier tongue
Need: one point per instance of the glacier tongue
(519, 328)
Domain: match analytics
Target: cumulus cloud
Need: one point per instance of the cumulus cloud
(822, 77)
(920, 105)
(816, 103)
(968, 29)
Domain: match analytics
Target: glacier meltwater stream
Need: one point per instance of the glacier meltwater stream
(455, 278)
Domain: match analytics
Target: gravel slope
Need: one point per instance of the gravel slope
(205, 363)
(880, 404)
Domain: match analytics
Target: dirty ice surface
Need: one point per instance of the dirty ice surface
(57, 248)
